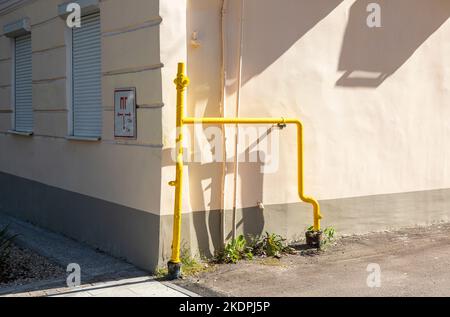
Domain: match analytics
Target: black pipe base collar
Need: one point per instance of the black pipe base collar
(174, 270)
(314, 239)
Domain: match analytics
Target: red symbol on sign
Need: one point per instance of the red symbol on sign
(123, 103)
(123, 106)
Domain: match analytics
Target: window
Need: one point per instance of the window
(86, 78)
(23, 89)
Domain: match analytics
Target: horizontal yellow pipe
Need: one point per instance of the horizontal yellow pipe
(182, 81)
(189, 120)
(300, 162)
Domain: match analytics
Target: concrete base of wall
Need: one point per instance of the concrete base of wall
(118, 230)
(144, 239)
(360, 215)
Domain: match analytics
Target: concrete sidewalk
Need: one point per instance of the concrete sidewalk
(101, 274)
(131, 287)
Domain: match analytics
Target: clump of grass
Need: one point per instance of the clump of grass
(190, 265)
(161, 273)
(269, 245)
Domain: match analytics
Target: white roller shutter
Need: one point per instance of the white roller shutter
(23, 90)
(86, 68)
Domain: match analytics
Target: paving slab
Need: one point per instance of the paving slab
(63, 250)
(101, 274)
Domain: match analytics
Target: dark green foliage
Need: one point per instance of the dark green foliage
(269, 245)
(235, 250)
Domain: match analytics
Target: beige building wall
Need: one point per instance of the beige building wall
(117, 179)
(315, 61)
(373, 102)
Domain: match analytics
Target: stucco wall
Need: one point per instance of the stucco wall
(112, 187)
(173, 50)
(373, 101)
(123, 172)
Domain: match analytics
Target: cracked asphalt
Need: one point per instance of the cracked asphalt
(412, 262)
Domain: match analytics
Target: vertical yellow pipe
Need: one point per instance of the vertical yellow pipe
(182, 81)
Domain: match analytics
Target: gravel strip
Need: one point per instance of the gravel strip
(25, 266)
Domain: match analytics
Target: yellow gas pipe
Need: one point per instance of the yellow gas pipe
(182, 81)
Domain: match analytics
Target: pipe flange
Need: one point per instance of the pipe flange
(282, 125)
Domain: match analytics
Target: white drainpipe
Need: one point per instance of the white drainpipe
(223, 111)
(238, 105)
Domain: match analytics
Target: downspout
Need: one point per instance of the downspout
(223, 113)
(238, 105)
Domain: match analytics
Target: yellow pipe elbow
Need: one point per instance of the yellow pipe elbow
(300, 151)
(181, 82)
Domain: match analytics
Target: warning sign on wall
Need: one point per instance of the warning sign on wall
(125, 113)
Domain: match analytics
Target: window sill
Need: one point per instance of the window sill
(20, 133)
(83, 139)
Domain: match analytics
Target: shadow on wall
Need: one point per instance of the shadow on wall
(203, 101)
(273, 27)
(205, 178)
(370, 55)
(201, 179)
(206, 220)
(251, 180)
(249, 220)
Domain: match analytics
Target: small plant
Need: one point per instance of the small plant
(5, 246)
(328, 236)
(235, 250)
(161, 272)
(271, 245)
